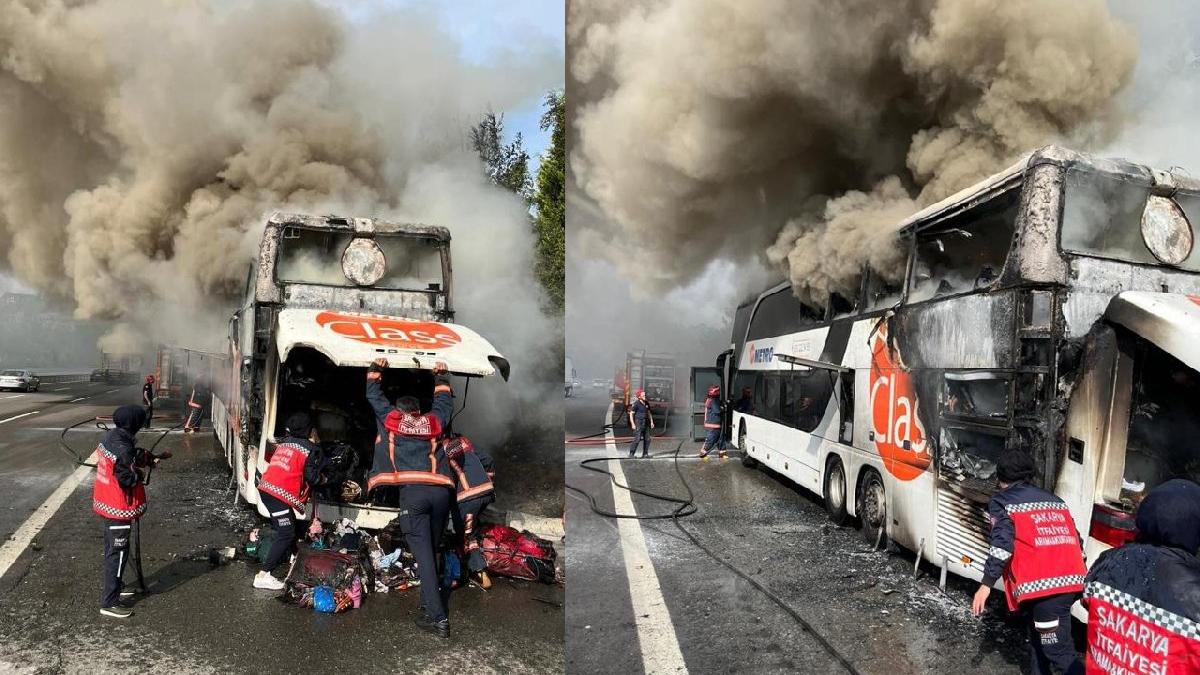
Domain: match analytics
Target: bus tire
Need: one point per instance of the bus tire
(747, 461)
(872, 507)
(834, 491)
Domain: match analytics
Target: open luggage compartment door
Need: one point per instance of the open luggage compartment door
(352, 339)
(1171, 321)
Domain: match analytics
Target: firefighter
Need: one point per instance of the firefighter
(473, 475)
(1143, 599)
(119, 497)
(409, 457)
(283, 490)
(148, 399)
(639, 417)
(193, 412)
(712, 424)
(1037, 550)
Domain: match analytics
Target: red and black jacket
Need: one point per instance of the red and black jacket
(291, 472)
(118, 493)
(1143, 599)
(1035, 546)
(406, 445)
(712, 413)
(470, 467)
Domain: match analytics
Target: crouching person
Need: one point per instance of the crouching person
(283, 491)
(473, 476)
(119, 498)
(409, 457)
(1143, 599)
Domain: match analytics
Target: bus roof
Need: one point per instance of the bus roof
(1050, 154)
(360, 225)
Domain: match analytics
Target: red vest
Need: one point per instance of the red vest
(284, 477)
(1047, 558)
(1129, 635)
(109, 499)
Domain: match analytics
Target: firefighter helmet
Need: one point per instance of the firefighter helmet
(714, 391)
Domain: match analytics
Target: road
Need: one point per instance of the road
(693, 615)
(198, 618)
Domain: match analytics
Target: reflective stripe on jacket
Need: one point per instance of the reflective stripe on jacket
(284, 477)
(406, 447)
(1034, 545)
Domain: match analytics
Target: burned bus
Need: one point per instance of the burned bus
(327, 296)
(1053, 307)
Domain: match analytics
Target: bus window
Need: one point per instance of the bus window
(743, 392)
(766, 396)
(315, 257)
(1103, 217)
(805, 397)
(839, 306)
(966, 252)
(781, 313)
(882, 292)
(980, 395)
(1164, 422)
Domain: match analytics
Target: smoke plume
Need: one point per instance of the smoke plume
(725, 129)
(142, 144)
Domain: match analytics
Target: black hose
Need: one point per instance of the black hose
(78, 458)
(686, 507)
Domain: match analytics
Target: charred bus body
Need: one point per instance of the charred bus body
(327, 296)
(1053, 307)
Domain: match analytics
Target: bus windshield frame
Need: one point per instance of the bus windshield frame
(1122, 199)
(389, 242)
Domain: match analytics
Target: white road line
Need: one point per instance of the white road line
(60, 388)
(77, 399)
(656, 633)
(17, 417)
(20, 540)
(16, 396)
(112, 391)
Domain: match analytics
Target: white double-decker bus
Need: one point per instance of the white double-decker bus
(1053, 307)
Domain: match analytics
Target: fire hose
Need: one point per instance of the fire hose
(149, 462)
(686, 506)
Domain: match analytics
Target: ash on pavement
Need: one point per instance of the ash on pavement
(868, 605)
(199, 618)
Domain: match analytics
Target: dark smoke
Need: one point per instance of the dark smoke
(714, 129)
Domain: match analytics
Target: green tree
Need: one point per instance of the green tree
(506, 165)
(550, 203)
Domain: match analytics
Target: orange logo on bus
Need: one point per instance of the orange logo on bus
(894, 414)
(399, 333)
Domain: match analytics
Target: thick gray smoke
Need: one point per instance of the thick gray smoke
(714, 129)
(142, 145)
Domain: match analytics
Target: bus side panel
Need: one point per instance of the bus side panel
(911, 516)
(220, 420)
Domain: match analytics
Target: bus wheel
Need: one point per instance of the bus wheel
(872, 509)
(835, 492)
(747, 461)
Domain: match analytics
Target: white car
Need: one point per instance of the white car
(24, 380)
(599, 383)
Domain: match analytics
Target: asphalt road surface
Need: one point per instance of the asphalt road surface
(645, 599)
(198, 618)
